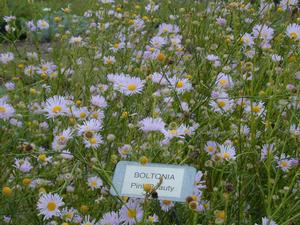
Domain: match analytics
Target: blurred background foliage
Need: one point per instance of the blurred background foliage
(26, 10)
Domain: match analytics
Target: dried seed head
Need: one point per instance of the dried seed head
(193, 205)
(229, 187)
(154, 194)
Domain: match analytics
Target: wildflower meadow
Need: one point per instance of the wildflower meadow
(212, 86)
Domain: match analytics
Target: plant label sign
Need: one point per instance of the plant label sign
(175, 182)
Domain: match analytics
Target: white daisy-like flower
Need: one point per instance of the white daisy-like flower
(158, 42)
(175, 42)
(138, 24)
(81, 112)
(267, 221)
(266, 150)
(151, 7)
(152, 124)
(224, 81)
(126, 84)
(48, 205)
(66, 154)
(6, 110)
(227, 152)
(295, 130)
(288, 4)
(211, 147)
(165, 28)
(60, 141)
(185, 106)
(93, 142)
(23, 165)
(42, 24)
(284, 164)
(76, 40)
(89, 127)
(255, 108)
(158, 78)
(31, 26)
(47, 68)
(132, 85)
(222, 103)
(124, 151)
(95, 182)
(9, 18)
(276, 58)
(88, 221)
(67, 214)
(212, 58)
(180, 84)
(174, 133)
(29, 70)
(166, 205)
(56, 106)
(5, 58)
(221, 21)
(117, 46)
(247, 40)
(97, 114)
(187, 130)
(293, 31)
(109, 60)
(99, 101)
(263, 31)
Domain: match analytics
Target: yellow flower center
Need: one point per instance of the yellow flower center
(186, 131)
(284, 164)
(61, 139)
(109, 62)
(44, 68)
(7, 190)
(160, 57)
(51, 206)
(117, 45)
(151, 219)
(56, 109)
(69, 215)
(94, 183)
(294, 35)
(93, 140)
(44, 24)
(131, 213)
(95, 115)
(131, 87)
(125, 152)
(223, 82)
(226, 155)
(42, 157)
(210, 148)
(221, 215)
(179, 84)
(221, 103)
(256, 109)
(2, 109)
(173, 131)
(82, 115)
